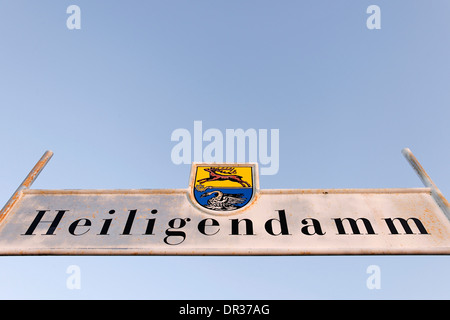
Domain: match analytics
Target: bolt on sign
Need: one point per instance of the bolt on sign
(223, 212)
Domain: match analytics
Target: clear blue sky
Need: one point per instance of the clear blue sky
(107, 97)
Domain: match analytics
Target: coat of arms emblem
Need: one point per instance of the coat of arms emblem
(223, 188)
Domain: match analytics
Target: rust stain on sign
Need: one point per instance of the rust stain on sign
(25, 184)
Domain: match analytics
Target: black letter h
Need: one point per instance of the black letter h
(38, 219)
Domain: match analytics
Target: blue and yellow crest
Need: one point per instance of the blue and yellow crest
(223, 188)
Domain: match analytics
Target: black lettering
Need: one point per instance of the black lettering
(354, 225)
(150, 224)
(129, 223)
(202, 226)
(235, 226)
(53, 224)
(175, 233)
(317, 229)
(75, 224)
(282, 221)
(406, 228)
(106, 224)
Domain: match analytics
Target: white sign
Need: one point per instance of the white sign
(279, 222)
(224, 213)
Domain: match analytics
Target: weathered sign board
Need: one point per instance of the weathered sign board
(223, 212)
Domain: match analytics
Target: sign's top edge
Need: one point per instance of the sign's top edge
(261, 191)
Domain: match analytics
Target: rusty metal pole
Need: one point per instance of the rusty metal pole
(435, 192)
(31, 177)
